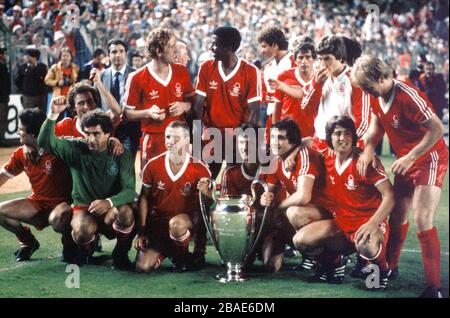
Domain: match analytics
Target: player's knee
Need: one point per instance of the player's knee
(83, 230)
(291, 214)
(60, 220)
(125, 214)
(423, 218)
(369, 249)
(177, 226)
(145, 267)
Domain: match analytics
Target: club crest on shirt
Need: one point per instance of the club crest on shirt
(395, 122)
(161, 185)
(186, 190)
(154, 94)
(48, 167)
(236, 91)
(213, 85)
(178, 90)
(350, 183)
(112, 169)
(341, 89)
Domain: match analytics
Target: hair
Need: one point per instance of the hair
(137, 54)
(369, 69)
(96, 117)
(293, 133)
(430, 63)
(343, 121)
(32, 119)
(182, 125)
(80, 88)
(342, 48)
(305, 46)
(274, 35)
(66, 49)
(33, 53)
(98, 52)
(229, 36)
(157, 41)
(116, 41)
(3, 50)
(241, 131)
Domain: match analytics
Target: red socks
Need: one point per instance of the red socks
(397, 236)
(431, 256)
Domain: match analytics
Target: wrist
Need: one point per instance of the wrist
(53, 116)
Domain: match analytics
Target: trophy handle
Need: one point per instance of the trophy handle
(254, 241)
(206, 215)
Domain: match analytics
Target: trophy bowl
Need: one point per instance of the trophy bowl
(232, 228)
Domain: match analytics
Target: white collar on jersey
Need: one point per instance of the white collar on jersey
(249, 177)
(159, 79)
(233, 72)
(299, 78)
(385, 108)
(342, 75)
(173, 177)
(340, 169)
(78, 125)
(285, 172)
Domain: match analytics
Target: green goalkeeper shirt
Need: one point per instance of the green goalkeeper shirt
(95, 175)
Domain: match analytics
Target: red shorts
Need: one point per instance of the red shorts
(45, 207)
(429, 170)
(151, 145)
(76, 208)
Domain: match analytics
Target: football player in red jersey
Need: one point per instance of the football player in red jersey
(415, 133)
(307, 199)
(50, 182)
(158, 93)
(362, 205)
(168, 203)
(228, 91)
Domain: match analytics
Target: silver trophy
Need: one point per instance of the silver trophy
(232, 229)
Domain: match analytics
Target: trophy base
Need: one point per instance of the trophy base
(232, 277)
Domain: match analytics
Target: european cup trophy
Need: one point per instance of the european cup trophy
(232, 229)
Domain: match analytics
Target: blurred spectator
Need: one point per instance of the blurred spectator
(182, 54)
(62, 74)
(30, 81)
(96, 62)
(43, 49)
(435, 87)
(5, 90)
(137, 60)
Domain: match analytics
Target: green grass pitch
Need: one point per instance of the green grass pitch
(45, 275)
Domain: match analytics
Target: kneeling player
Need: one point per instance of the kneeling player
(50, 182)
(168, 203)
(307, 199)
(103, 184)
(362, 207)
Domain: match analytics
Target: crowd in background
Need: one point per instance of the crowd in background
(405, 33)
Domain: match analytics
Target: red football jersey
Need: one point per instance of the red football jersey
(402, 118)
(357, 198)
(50, 178)
(69, 127)
(291, 107)
(309, 163)
(173, 194)
(228, 96)
(235, 181)
(145, 88)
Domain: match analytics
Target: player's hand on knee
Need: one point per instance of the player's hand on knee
(366, 232)
(267, 198)
(141, 242)
(401, 165)
(99, 207)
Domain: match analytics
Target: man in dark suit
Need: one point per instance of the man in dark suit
(96, 62)
(114, 79)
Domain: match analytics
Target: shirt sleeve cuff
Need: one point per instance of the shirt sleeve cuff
(254, 99)
(110, 202)
(6, 173)
(199, 92)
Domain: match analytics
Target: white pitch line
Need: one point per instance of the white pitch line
(419, 251)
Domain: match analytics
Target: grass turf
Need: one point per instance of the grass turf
(45, 275)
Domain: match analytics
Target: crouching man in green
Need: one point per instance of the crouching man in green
(103, 184)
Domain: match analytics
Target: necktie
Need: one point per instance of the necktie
(115, 91)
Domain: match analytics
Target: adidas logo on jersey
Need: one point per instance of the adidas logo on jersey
(154, 95)
(161, 185)
(213, 85)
